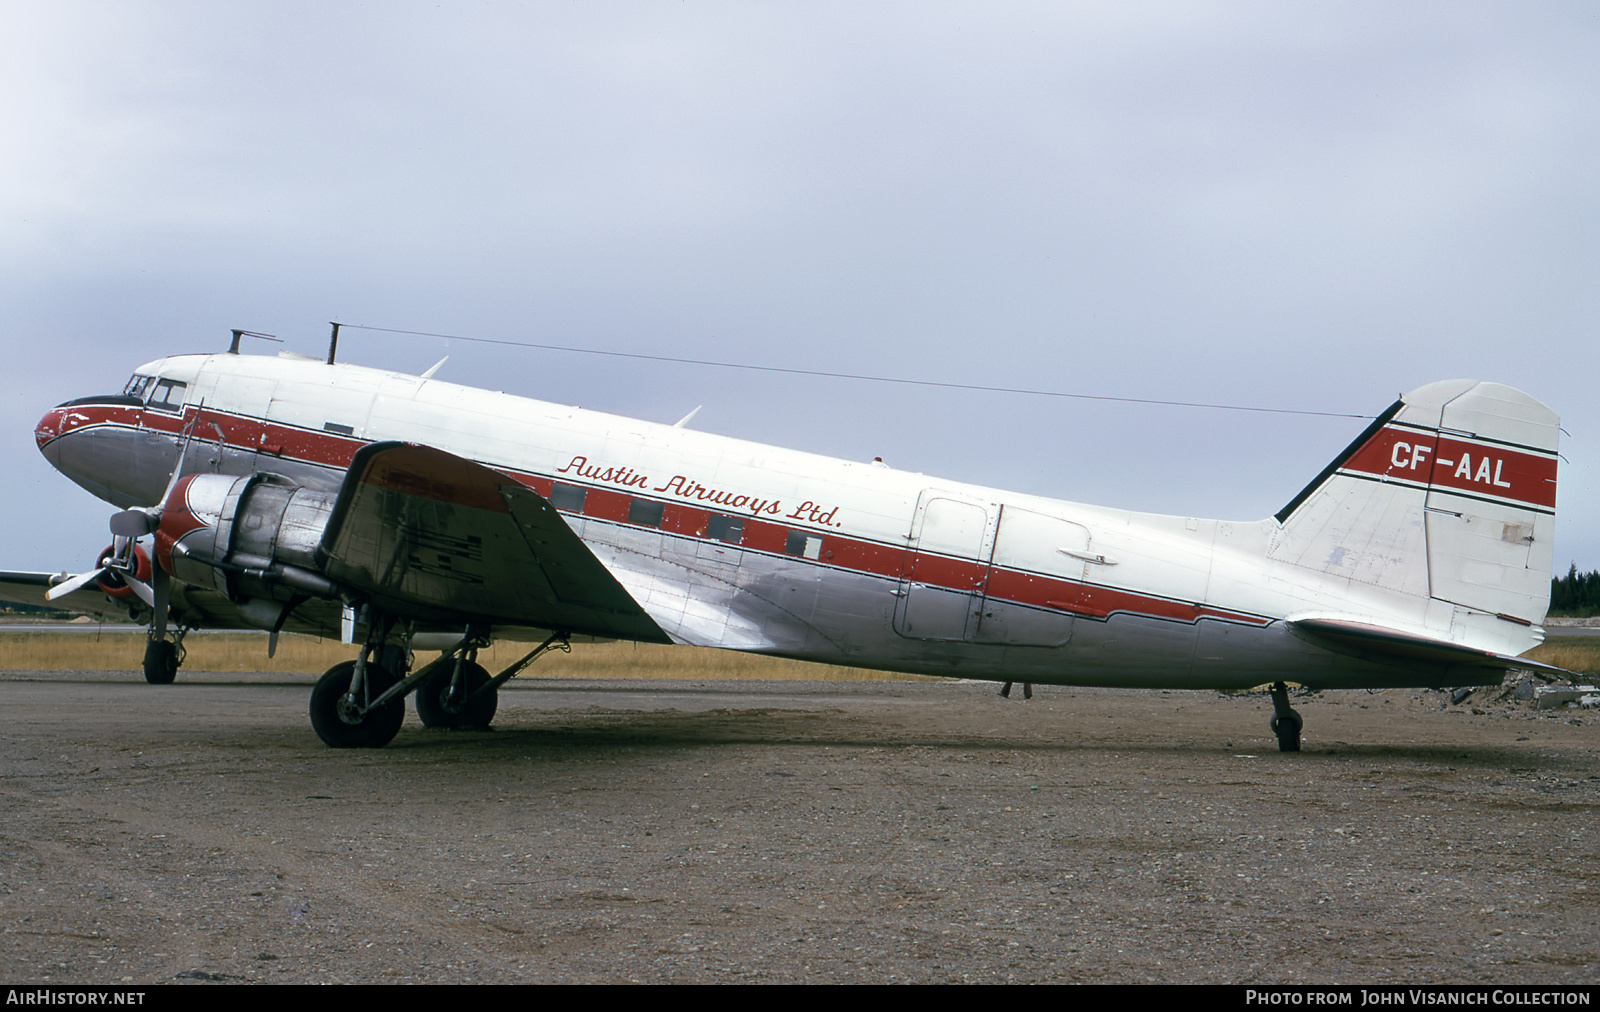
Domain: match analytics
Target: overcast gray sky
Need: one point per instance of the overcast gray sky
(1274, 204)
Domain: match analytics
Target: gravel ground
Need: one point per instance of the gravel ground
(794, 832)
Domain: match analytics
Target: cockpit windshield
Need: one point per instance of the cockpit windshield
(167, 395)
(155, 392)
(138, 386)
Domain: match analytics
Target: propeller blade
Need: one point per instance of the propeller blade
(177, 469)
(66, 587)
(172, 483)
(163, 587)
(140, 588)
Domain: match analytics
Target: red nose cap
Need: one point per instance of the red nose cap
(49, 426)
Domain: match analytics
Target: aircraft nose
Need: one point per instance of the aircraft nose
(49, 427)
(95, 441)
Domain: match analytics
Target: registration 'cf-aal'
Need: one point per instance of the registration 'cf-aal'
(290, 493)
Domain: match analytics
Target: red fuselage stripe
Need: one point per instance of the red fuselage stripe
(895, 562)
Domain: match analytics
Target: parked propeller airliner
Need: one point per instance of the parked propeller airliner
(290, 493)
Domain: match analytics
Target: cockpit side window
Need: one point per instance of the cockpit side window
(138, 386)
(167, 395)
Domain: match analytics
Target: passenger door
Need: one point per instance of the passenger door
(943, 579)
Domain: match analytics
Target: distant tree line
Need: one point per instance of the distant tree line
(1576, 593)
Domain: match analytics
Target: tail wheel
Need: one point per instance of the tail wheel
(436, 709)
(340, 723)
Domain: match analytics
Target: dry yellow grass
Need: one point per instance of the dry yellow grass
(1573, 654)
(122, 651)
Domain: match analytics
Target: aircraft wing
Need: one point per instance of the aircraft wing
(29, 588)
(192, 605)
(1393, 644)
(432, 536)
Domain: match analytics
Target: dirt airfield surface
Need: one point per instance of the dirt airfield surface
(676, 831)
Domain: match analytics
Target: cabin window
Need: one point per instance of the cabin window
(803, 545)
(725, 528)
(567, 497)
(168, 395)
(645, 513)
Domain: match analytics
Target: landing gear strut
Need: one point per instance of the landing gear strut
(456, 691)
(1286, 723)
(163, 655)
(361, 703)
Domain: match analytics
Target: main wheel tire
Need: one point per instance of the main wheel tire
(1288, 731)
(475, 712)
(160, 662)
(337, 723)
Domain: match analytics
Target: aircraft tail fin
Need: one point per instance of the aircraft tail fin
(1450, 494)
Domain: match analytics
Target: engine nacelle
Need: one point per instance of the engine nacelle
(112, 583)
(249, 537)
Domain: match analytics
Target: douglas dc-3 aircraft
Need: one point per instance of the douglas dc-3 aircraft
(290, 493)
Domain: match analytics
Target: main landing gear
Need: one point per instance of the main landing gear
(162, 658)
(458, 696)
(1286, 723)
(355, 705)
(361, 703)
(163, 651)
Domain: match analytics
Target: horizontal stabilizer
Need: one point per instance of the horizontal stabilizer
(1404, 646)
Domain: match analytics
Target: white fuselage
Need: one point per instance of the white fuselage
(733, 544)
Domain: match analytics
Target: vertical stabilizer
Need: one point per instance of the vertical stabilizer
(1450, 494)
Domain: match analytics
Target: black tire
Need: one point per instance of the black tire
(1288, 732)
(160, 662)
(337, 726)
(476, 713)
